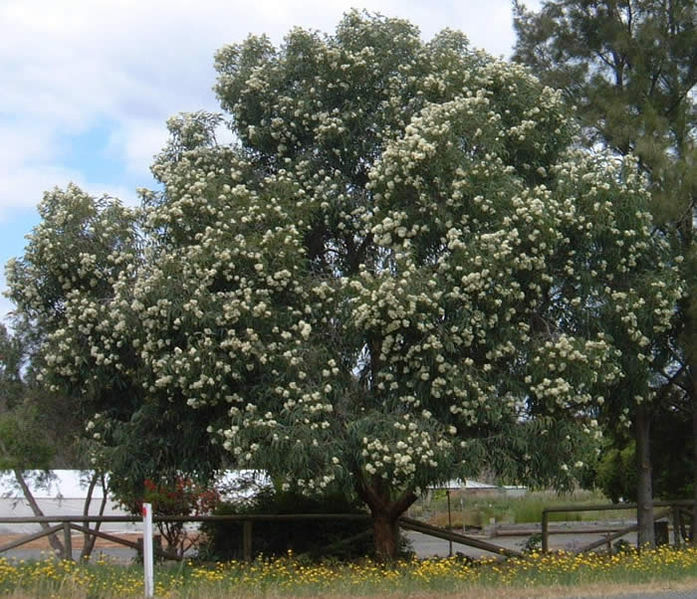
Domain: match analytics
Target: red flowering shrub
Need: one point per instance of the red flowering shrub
(181, 497)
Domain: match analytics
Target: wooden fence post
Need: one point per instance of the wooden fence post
(67, 541)
(247, 540)
(677, 534)
(545, 531)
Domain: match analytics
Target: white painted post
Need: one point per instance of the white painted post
(147, 551)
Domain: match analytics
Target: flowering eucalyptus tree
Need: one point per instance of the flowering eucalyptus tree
(61, 288)
(63, 283)
(65, 288)
(399, 266)
(399, 262)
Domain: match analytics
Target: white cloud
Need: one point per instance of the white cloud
(136, 142)
(67, 65)
(71, 66)
(24, 186)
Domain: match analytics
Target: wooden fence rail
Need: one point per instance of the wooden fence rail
(55, 524)
(674, 510)
(70, 523)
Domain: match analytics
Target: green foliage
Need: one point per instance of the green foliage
(672, 461)
(84, 250)
(61, 287)
(629, 68)
(177, 497)
(316, 539)
(38, 429)
(23, 444)
(616, 473)
(379, 283)
(403, 270)
(11, 358)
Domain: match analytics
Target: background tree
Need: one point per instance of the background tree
(672, 461)
(630, 67)
(37, 432)
(11, 358)
(82, 250)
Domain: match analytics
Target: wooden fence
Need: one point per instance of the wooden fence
(674, 510)
(67, 524)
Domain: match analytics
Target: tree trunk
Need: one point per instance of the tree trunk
(385, 512)
(88, 539)
(52, 538)
(386, 537)
(642, 429)
(693, 403)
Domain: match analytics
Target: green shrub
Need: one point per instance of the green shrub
(318, 539)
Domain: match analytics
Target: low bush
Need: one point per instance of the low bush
(318, 539)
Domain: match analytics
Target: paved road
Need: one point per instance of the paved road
(669, 594)
(426, 546)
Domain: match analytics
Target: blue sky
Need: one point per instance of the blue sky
(88, 84)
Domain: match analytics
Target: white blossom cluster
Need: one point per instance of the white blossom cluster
(74, 258)
(402, 254)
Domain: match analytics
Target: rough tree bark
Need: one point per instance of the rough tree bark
(642, 426)
(386, 536)
(385, 512)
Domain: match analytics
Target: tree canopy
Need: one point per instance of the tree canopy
(65, 288)
(631, 69)
(402, 269)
